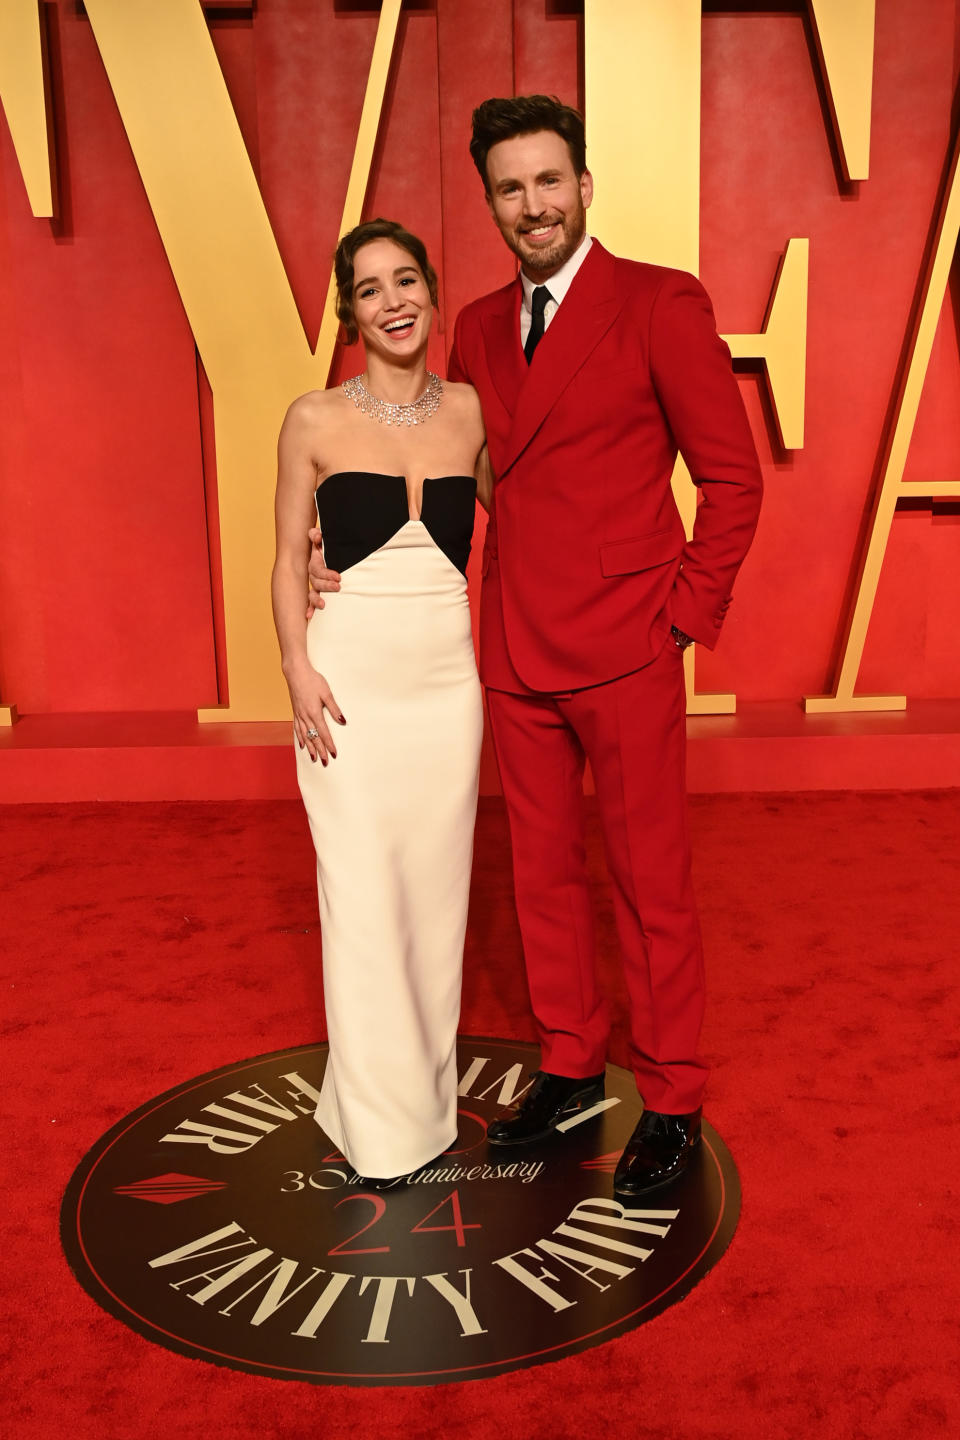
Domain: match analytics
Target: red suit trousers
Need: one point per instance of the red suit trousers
(633, 732)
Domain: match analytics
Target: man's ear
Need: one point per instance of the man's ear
(586, 189)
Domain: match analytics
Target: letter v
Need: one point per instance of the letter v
(189, 151)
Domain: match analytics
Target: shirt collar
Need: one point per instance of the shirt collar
(560, 283)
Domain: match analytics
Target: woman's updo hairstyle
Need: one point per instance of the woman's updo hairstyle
(346, 253)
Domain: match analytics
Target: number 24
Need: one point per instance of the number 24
(345, 1247)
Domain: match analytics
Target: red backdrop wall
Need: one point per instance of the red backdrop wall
(108, 596)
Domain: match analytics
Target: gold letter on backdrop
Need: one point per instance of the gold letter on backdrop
(844, 34)
(24, 92)
(782, 344)
(642, 71)
(210, 214)
(892, 486)
(642, 83)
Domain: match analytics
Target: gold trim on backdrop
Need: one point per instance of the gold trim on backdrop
(892, 486)
(24, 92)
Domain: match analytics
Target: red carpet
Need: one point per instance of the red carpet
(146, 944)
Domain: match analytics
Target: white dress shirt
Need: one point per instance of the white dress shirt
(558, 285)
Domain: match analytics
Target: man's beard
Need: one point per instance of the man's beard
(548, 261)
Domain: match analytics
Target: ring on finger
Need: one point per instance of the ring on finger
(312, 734)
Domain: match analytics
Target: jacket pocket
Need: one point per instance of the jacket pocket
(625, 557)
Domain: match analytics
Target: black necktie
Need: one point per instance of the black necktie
(540, 297)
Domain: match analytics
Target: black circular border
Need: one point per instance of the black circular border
(84, 1272)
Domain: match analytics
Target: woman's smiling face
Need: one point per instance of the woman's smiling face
(391, 299)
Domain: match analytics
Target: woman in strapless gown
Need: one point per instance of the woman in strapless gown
(386, 703)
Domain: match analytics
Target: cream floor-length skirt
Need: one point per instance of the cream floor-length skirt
(392, 819)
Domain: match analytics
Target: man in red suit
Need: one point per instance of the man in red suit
(592, 372)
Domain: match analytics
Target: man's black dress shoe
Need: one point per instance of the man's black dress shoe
(657, 1152)
(550, 1099)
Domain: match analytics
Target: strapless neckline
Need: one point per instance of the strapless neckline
(358, 518)
(384, 475)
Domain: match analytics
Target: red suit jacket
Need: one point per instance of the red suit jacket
(586, 565)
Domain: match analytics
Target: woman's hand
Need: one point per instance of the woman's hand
(311, 699)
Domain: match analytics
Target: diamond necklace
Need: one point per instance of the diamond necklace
(386, 413)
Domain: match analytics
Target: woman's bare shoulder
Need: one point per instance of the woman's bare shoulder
(462, 395)
(459, 390)
(314, 405)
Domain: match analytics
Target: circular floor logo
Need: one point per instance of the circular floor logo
(218, 1220)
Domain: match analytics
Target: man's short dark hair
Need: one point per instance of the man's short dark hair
(346, 252)
(497, 120)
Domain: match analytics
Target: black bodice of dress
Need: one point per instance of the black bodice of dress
(360, 510)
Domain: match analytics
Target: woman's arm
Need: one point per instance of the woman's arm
(482, 470)
(310, 694)
(484, 475)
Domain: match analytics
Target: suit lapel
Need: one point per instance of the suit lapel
(588, 310)
(501, 340)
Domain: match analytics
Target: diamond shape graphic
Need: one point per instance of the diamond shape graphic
(168, 1189)
(605, 1163)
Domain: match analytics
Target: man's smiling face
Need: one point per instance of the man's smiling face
(537, 202)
